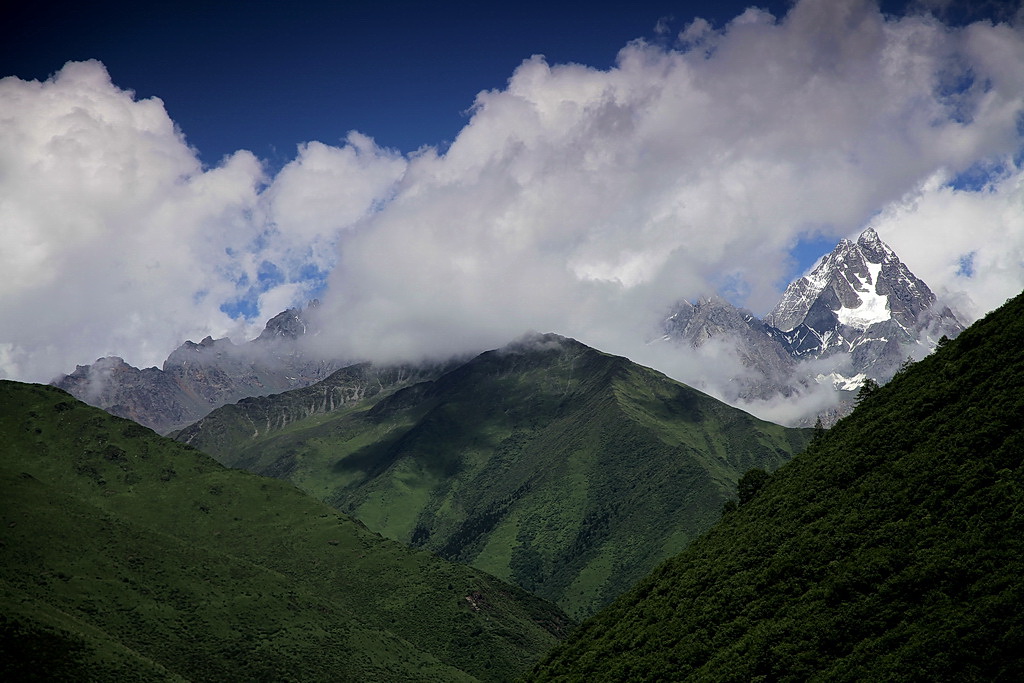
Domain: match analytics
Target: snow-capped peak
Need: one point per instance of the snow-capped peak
(849, 282)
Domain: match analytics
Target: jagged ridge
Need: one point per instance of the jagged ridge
(196, 378)
(860, 313)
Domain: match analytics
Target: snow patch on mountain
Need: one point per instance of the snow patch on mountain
(842, 383)
(873, 308)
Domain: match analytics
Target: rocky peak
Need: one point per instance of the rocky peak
(860, 312)
(287, 324)
(863, 303)
(206, 351)
(872, 246)
(709, 317)
(714, 318)
(857, 285)
(196, 378)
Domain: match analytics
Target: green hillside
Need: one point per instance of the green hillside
(565, 470)
(891, 550)
(128, 556)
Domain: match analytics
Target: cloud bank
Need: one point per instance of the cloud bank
(575, 200)
(584, 201)
(115, 239)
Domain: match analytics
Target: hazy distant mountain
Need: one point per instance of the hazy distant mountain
(892, 549)
(196, 378)
(547, 463)
(714, 319)
(859, 314)
(128, 556)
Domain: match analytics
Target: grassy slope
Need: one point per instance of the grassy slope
(127, 555)
(567, 471)
(893, 549)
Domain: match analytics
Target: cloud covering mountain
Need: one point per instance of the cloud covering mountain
(574, 200)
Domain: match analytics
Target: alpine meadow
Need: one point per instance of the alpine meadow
(128, 556)
(567, 471)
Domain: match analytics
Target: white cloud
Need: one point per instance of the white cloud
(116, 239)
(968, 246)
(575, 200)
(586, 201)
(325, 190)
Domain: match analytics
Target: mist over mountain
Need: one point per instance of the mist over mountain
(583, 198)
(863, 301)
(406, 482)
(767, 368)
(565, 470)
(859, 314)
(196, 378)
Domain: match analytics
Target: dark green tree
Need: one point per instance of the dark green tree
(750, 483)
(904, 366)
(819, 430)
(869, 387)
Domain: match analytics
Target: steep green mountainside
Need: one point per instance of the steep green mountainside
(237, 425)
(565, 470)
(128, 556)
(892, 549)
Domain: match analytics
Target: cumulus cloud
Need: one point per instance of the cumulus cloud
(117, 241)
(586, 201)
(967, 245)
(575, 200)
(325, 190)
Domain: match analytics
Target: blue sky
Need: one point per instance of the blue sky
(265, 76)
(567, 195)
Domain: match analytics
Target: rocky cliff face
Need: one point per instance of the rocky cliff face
(716, 319)
(859, 314)
(861, 301)
(149, 397)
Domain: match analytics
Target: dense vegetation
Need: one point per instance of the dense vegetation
(892, 549)
(128, 556)
(568, 471)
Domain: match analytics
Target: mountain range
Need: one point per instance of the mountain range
(196, 378)
(858, 315)
(891, 549)
(543, 462)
